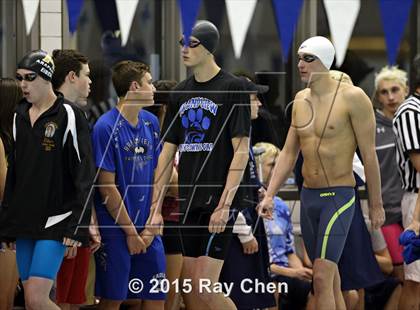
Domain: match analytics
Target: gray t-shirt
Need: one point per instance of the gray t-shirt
(392, 191)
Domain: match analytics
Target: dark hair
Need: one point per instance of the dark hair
(125, 72)
(161, 96)
(66, 61)
(10, 95)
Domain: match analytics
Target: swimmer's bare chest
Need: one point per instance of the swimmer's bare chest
(327, 140)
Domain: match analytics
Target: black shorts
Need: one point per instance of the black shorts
(171, 238)
(198, 241)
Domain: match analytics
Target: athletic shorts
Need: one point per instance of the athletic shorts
(72, 277)
(121, 276)
(171, 238)
(408, 204)
(325, 217)
(198, 241)
(39, 258)
(392, 234)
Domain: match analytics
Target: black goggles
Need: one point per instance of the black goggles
(27, 77)
(308, 58)
(192, 44)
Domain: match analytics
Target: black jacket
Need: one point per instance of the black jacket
(50, 175)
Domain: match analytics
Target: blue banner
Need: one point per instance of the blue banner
(395, 14)
(189, 12)
(74, 8)
(287, 15)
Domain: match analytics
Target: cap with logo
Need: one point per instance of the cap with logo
(40, 62)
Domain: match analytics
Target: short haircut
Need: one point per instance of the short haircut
(391, 74)
(66, 61)
(269, 150)
(341, 77)
(125, 72)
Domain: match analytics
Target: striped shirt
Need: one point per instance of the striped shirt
(406, 125)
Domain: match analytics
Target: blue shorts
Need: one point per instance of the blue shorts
(326, 215)
(39, 258)
(116, 269)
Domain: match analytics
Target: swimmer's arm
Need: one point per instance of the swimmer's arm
(163, 173)
(236, 171)
(384, 260)
(114, 203)
(363, 121)
(285, 162)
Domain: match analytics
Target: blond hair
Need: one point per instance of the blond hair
(341, 77)
(269, 150)
(391, 74)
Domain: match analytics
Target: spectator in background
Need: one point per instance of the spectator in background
(285, 265)
(390, 91)
(102, 97)
(11, 94)
(386, 294)
(248, 257)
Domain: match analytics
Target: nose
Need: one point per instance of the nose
(185, 49)
(301, 64)
(153, 88)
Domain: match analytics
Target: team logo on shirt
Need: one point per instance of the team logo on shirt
(137, 151)
(50, 129)
(196, 123)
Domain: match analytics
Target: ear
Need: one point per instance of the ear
(71, 76)
(134, 86)
(407, 90)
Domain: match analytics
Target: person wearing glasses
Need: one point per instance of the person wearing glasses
(329, 120)
(45, 205)
(208, 121)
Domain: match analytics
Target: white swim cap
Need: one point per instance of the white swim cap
(320, 47)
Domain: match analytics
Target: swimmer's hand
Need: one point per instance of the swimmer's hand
(261, 193)
(147, 237)
(414, 226)
(303, 273)
(265, 208)
(8, 245)
(72, 245)
(218, 219)
(71, 252)
(135, 244)
(251, 246)
(71, 242)
(377, 216)
(95, 238)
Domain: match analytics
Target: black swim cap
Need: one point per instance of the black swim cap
(207, 33)
(40, 62)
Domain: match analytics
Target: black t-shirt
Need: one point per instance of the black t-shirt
(202, 119)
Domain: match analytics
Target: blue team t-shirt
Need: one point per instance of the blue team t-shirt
(132, 154)
(280, 234)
